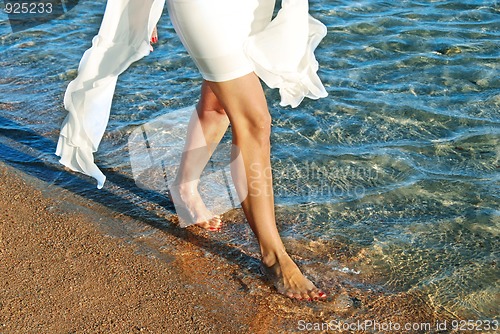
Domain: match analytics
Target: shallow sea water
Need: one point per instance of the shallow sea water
(390, 183)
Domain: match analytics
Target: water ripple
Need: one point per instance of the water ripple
(401, 161)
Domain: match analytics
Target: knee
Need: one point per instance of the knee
(212, 113)
(215, 109)
(258, 125)
(261, 124)
(209, 103)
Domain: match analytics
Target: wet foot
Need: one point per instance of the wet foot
(191, 209)
(289, 280)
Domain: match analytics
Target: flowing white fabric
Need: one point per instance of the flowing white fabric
(282, 54)
(122, 39)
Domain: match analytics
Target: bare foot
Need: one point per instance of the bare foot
(153, 39)
(289, 280)
(191, 209)
(154, 36)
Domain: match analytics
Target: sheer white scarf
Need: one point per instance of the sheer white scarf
(283, 56)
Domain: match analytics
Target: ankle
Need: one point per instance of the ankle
(186, 187)
(270, 258)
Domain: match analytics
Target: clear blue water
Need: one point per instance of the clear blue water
(398, 166)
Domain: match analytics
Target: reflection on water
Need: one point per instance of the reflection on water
(389, 184)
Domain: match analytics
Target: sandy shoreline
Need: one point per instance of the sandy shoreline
(62, 273)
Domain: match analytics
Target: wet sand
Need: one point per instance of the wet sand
(61, 273)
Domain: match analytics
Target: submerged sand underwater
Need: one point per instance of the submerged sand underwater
(387, 190)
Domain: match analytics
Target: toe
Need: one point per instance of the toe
(316, 294)
(215, 222)
(313, 294)
(305, 296)
(212, 224)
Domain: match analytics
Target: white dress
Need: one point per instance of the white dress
(225, 38)
(214, 33)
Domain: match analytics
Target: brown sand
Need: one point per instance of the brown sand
(61, 273)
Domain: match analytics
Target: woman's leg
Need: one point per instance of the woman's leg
(205, 130)
(245, 104)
